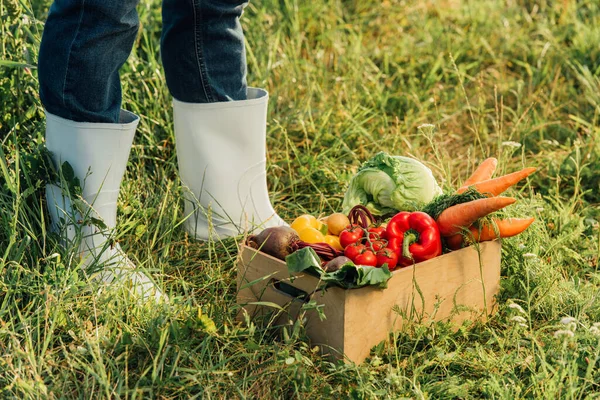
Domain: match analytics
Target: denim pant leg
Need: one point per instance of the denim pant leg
(203, 50)
(84, 44)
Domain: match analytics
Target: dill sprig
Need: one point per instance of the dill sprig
(436, 206)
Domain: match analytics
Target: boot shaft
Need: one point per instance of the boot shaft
(98, 154)
(221, 152)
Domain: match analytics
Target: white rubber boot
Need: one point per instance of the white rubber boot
(221, 152)
(98, 154)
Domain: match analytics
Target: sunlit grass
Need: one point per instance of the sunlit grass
(518, 80)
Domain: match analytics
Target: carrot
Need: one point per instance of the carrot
(454, 242)
(483, 172)
(506, 228)
(453, 219)
(495, 186)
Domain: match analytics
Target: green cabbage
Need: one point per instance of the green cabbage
(387, 184)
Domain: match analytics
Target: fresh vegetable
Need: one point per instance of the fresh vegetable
(377, 244)
(323, 250)
(351, 251)
(500, 228)
(277, 241)
(333, 241)
(497, 228)
(311, 235)
(419, 234)
(484, 172)
(305, 221)
(454, 242)
(308, 221)
(348, 276)
(444, 201)
(362, 254)
(361, 216)
(337, 222)
(377, 232)
(395, 243)
(350, 235)
(453, 219)
(336, 263)
(496, 186)
(387, 256)
(366, 257)
(386, 184)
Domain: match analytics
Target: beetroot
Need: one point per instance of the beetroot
(276, 241)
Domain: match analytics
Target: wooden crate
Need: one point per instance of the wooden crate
(454, 287)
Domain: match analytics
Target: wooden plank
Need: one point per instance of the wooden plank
(429, 291)
(254, 265)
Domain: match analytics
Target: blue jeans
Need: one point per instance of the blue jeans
(85, 43)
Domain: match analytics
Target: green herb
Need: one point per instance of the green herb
(444, 201)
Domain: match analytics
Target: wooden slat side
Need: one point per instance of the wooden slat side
(328, 334)
(256, 271)
(452, 278)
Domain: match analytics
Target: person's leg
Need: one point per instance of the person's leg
(220, 124)
(83, 46)
(203, 50)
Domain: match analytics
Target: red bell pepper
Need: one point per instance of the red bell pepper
(414, 236)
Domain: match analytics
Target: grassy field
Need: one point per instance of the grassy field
(514, 79)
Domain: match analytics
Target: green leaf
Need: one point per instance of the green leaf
(324, 229)
(348, 276)
(7, 176)
(140, 230)
(302, 260)
(98, 222)
(15, 64)
(72, 181)
(266, 304)
(373, 276)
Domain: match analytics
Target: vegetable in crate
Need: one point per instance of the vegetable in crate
(360, 219)
(310, 229)
(415, 237)
(387, 184)
(461, 213)
(497, 228)
(336, 263)
(348, 275)
(387, 256)
(278, 241)
(351, 235)
(456, 218)
(496, 186)
(337, 222)
(484, 171)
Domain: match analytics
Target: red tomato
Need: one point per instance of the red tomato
(377, 233)
(387, 256)
(377, 245)
(351, 235)
(353, 250)
(367, 257)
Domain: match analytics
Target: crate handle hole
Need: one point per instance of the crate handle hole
(289, 290)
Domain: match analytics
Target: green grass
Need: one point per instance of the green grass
(519, 80)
